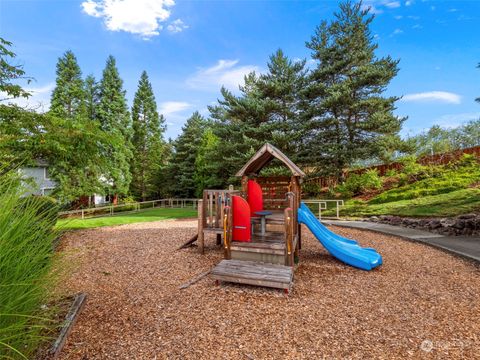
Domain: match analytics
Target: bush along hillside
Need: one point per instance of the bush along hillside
(415, 191)
(27, 278)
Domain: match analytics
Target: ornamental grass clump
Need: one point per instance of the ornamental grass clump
(27, 278)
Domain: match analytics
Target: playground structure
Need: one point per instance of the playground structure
(259, 226)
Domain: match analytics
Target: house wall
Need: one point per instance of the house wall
(39, 183)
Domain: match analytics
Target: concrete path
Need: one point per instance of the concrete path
(466, 246)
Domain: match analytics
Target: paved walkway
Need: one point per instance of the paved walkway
(466, 246)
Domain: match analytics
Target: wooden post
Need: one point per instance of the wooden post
(227, 233)
(210, 209)
(203, 205)
(200, 228)
(289, 227)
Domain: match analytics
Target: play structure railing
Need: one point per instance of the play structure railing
(323, 205)
(130, 207)
(211, 212)
(213, 206)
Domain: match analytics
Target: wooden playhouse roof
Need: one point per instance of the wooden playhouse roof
(264, 155)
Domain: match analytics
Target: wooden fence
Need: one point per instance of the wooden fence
(435, 159)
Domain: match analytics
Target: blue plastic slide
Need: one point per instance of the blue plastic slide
(343, 249)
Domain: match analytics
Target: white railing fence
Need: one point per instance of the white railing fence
(179, 203)
(130, 207)
(324, 205)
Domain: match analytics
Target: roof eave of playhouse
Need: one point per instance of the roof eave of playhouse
(267, 153)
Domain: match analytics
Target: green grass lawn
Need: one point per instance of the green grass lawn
(450, 204)
(130, 218)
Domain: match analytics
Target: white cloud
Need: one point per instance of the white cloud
(38, 100)
(177, 26)
(397, 32)
(437, 96)
(393, 4)
(171, 107)
(455, 120)
(409, 2)
(417, 26)
(224, 73)
(140, 17)
(398, 17)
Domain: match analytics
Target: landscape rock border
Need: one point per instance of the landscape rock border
(466, 225)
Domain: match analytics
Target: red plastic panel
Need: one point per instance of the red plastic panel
(241, 219)
(255, 197)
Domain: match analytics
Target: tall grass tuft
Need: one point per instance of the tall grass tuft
(26, 274)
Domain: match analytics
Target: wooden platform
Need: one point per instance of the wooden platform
(254, 273)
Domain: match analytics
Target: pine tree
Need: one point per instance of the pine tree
(92, 97)
(182, 163)
(112, 112)
(265, 111)
(280, 88)
(346, 115)
(68, 97)
(148, 129)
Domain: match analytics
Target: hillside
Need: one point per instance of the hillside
(415, 191)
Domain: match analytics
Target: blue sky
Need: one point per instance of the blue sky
(191, 48)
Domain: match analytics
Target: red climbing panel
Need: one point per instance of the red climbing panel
(255, 197)
(241, 219)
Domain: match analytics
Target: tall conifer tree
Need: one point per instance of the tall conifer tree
(112, 112)
(68, 97)
(346, 114)
(148, 129)
(92, 97)
(182, 164)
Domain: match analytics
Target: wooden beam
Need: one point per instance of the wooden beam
(194, 280)
(70, 320)
(189, 242)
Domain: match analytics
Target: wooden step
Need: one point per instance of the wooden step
(254, 273)
(259, 247)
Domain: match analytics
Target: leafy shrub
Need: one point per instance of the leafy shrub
(26, 241)
(357, 184)
(391, 172)
(412, 169)
(312, 189)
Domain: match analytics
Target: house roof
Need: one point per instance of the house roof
(263, 157)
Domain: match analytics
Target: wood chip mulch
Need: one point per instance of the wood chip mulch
(422, 303)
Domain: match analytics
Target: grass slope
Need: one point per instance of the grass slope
(137, 217)
(450, 204)
(447, 190)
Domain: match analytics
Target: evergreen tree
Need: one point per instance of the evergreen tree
(265, 111)
(68, 97)
(205, 170)
(92, 96)
(148, 129)
(346, 115)
(279, 89)
(182, 163)
(112, 112)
